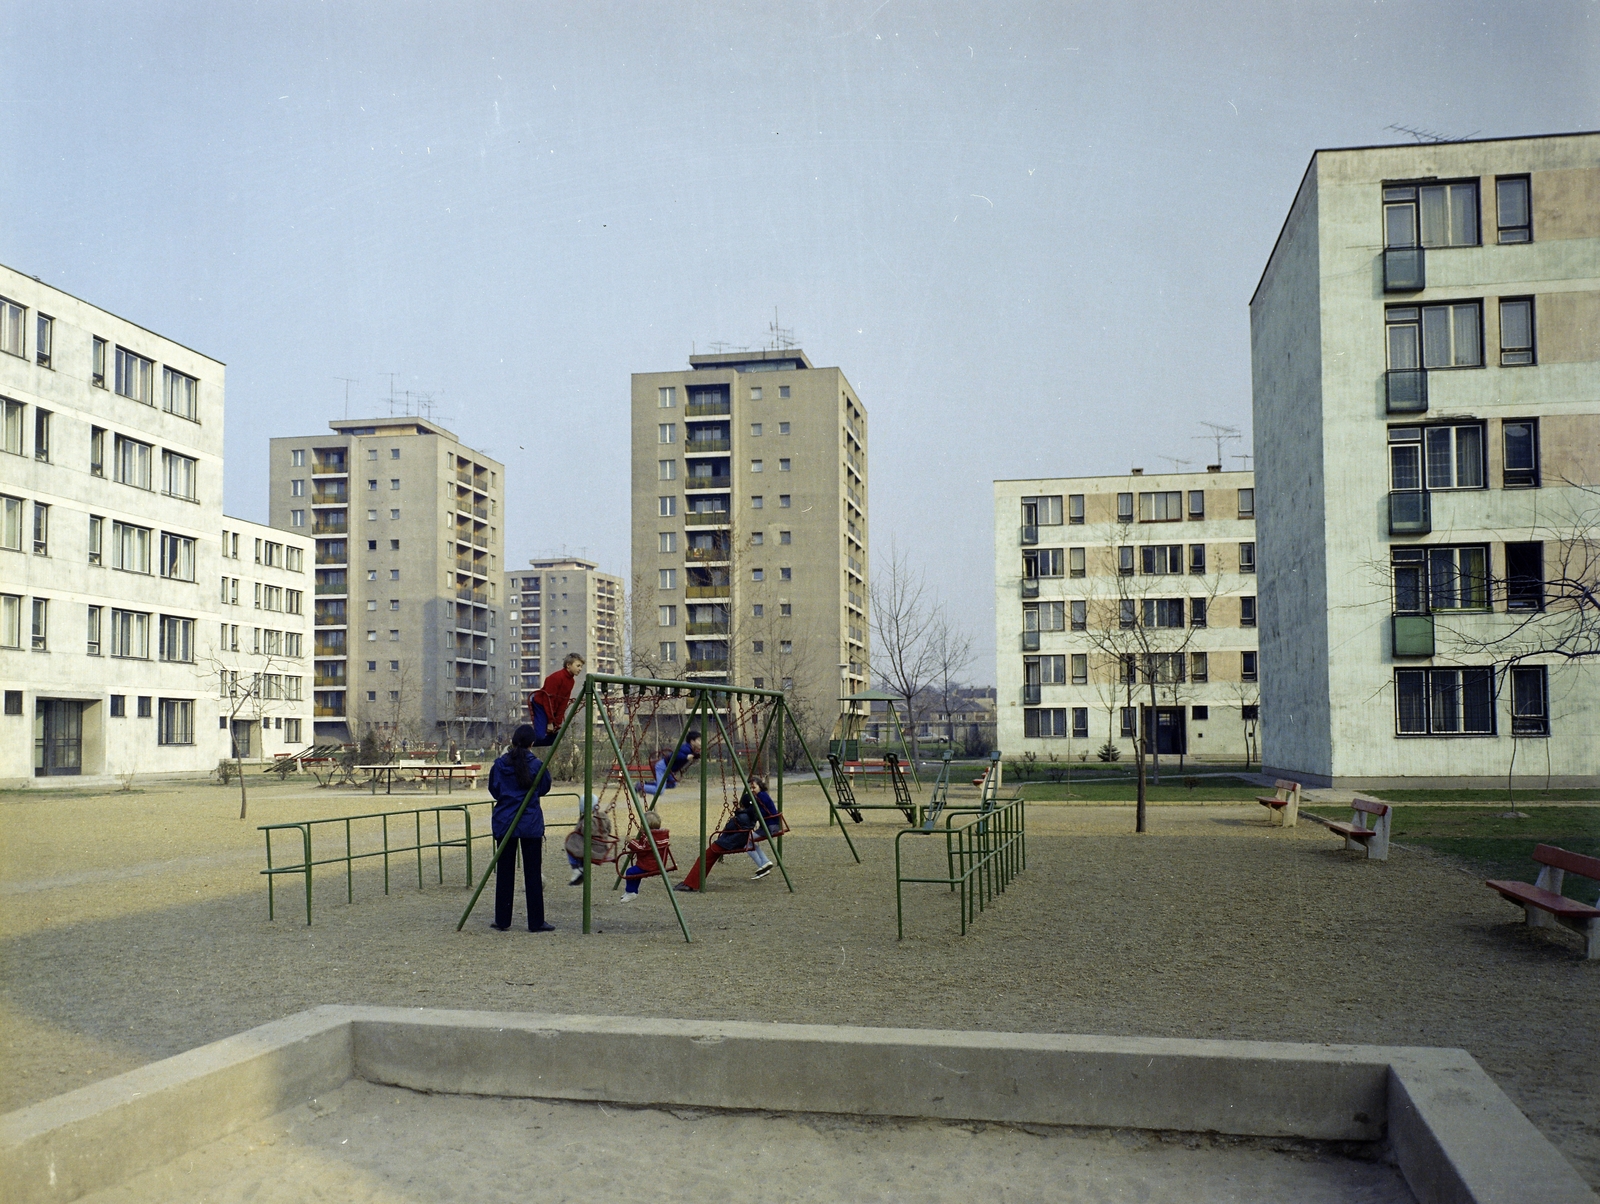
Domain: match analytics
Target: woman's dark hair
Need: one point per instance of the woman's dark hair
(521, 759)
(692, 734)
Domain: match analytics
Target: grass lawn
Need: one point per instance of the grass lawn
(1496, 847)
(1490, 797)
(1171, 790)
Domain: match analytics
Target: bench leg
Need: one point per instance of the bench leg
(1538, 917)
(1591, 941)
(1291, 813)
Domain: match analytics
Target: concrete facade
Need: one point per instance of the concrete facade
(558, 607)
(750, 535)
(1091, 571)
(111, 476)
(408, 528)
(1427, 433)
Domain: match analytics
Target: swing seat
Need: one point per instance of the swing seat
(602, 849)
(776, 824)
(639, 850)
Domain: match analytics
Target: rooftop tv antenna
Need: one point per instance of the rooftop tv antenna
(1246, 457)
(1219, 435)
(1177, 464)
(391, 376)
(718, 347)
(1421, 135)
(348, 381)
(780, 338)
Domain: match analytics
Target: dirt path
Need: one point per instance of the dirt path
(135, 927)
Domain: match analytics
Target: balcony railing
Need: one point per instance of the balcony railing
(706, 554)
(1411, 635)
(330, 527)
(334, 650)
(709, 518)
(333, 558)
(1404, 270)
(1410, 512)
(320, 497)
(1030, 535)
(471, 595)
(706, 666)
(326, 588)
(707, 409)
(468, 565)
(480, 511)
(1030, 641)
(480, 541)
(707, 591)
(1030, 587)
(722, 482)
(322, 712)
(328, 468)
(1031, 694)
(337, 683)
(1405, 390)
(698, 447)
(705, 629)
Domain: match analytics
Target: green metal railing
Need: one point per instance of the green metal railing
(983, 853)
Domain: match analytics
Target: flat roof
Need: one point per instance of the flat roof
(390, 425)
(154, 334)
(791, 357)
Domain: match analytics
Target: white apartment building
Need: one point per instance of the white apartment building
(1426, 354)
(259, 649)
(1107, 587)
(110, 505)
(555, 608)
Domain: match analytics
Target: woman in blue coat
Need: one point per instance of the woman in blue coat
(514, 774)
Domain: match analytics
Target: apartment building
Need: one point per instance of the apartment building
(567, 605)
(1426, 353)
(1126, 607)
(259, 648)
(408, 533)
(110, 504)
(750, 532)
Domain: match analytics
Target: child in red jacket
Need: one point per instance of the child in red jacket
(549, 704)
(644, 856)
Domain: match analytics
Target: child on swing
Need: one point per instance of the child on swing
(548, 705)
(645, 864)
(670, 765)
(740, 834)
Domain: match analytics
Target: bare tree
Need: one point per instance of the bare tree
(251, 694)
(952, 654)
(905, 617)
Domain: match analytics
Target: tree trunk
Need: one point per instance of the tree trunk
(238, 768)
(1139, 814)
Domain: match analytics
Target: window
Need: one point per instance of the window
(135, 376)
(11, 523)
(394, 545)
(783, 465)
(181, 394)
(1197, 558)
(130, 635)
(666, 541)
(177, 639)
(1124, 507)
(1076, 562)
(1247, 503)
(1042, 562)
(394, 603)
(177, 556)
(755, 466)
(97, 363)
(755, 429)
(667, 507)
(1435, 336)
(297, 458)
(1129, 718)
(1075, 508)
(372, 637)
(394, 482)
(1514, 215)
(41, 529)
(1080, 615)
(134, 461)
(41, 434)
(1045, 670)
(10, 621)
(372, 696)
(757, 538)
(1247, 666)
(180, 475)
(1043, 616)
(130, 548)
(42, 340)
(758, 646)
(1516, 332)
(394, 636)
(758, 574)
(11, 328)
(177, 721)
(666, 397)
(11, 430)
(1444, 702)
(1530, 701)
(783, 501)
(1161, 558)
(783, 427)
(1041, 511)
(96, 526)
(1127, 613)
(755, 393)
(119, 706)
(1197, 503)
(291, 729)
(1199, 666)
(41, 624)
(294, 560)
(372, 516)
(97, 451)
(667, 579)
(669, 652)
(1444, 215)
(1247, 557)
(1166, 507)
(1197, 612)
(1453, 456)
(394, 454)
(1163, 612)
(297, 518)
(394, 514)
(785, 537)
(1080, 668)
(666, 616)
(1080, 723)
(785, 574)
(1044, 722)
(1525, 576)
(1247, 611)
(372, 483)
(1125, 560)
(1521, 460)
(144, 706)
(667, 432)
(783, 391)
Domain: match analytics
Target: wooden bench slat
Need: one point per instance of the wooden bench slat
(1353, 832)
(1563, 859)
(1522, 892)
(1271, 800)
(1370, 807)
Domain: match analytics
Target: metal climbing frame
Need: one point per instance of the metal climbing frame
(983, 852)
(598, 689)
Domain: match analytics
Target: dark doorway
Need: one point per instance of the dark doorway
(1170, 731)
(243, 738)
(57, 737)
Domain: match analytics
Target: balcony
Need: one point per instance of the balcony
(1030, 641)
(339, 590)
(1031, 694)
(326, 497)
(702, 554)
(337, 683)
(480, 512)
(327, 466)
(701, 447)
(1411, 635)
(331, 557)
(330, 526)
(468, 565)
(707, 591)
(327, 712)
(708, 409)
(480, 541)
(1410, 512)
(467, 594)
(336, 649)
(708, 482)
(706, 666)
(1405, 391)
(708, 518)
(705, 629)
(1404, 270)
(1030, 587)
(1030, 535)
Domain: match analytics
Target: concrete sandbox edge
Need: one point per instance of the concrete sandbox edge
(1456, 1136)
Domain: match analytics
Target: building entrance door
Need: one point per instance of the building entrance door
(242, 738)
(57, 737)
(1171, 736)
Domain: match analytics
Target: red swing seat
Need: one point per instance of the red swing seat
(642, 856)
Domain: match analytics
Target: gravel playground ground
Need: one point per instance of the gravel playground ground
(135, 927)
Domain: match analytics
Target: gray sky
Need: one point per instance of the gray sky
(1026, 232)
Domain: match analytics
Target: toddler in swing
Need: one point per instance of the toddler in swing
(645, 864)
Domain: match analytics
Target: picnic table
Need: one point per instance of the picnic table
(421, 771)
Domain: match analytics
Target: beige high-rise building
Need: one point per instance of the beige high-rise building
(409, 538)
(553, 609)
(750, 528)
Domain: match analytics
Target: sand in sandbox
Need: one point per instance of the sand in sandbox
(386, 1145)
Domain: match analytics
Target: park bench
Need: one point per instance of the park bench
(1368, 829)
(1544, 904)
(1283, 805)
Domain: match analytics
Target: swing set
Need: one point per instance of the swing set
(741, 729)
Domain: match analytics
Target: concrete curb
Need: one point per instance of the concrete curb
(1455, 1135)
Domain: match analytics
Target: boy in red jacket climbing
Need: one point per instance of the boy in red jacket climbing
(549, 703)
